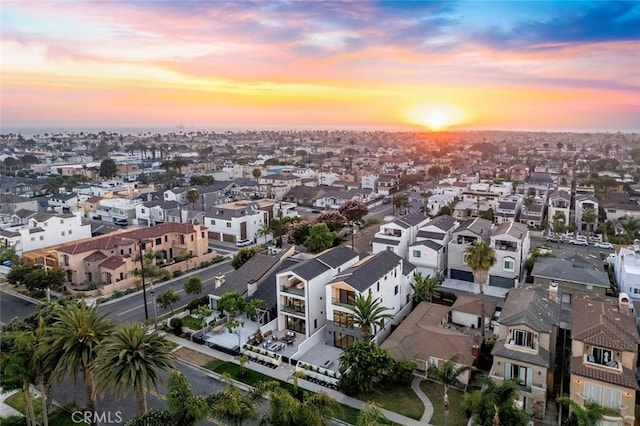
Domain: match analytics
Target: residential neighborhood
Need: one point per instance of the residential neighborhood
(515, 263)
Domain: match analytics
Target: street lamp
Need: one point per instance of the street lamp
(144, 288)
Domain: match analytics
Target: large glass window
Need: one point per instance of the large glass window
(341, 340)
(522, 338)
(346, 297)
(592, 392)
(509, 264)
(342, 319)
(611, 398)
(602, 356)
(296, 324)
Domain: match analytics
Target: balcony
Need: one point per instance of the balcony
(348, 303)
(297, 290)
(293, 310)
(506, 246)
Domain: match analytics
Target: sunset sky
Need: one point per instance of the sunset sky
(563, 65)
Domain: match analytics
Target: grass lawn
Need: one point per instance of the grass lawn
(347, 414)
(192, 323)
(17, 401)
(62, 418)
(457, 416)
(401, 400)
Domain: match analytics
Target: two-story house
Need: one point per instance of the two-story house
(469, 231)
(398, 235)
(64, 203)
(582, 204)
(153, 212)
(525, 348)
(429, 252)
(388, 184)
(604, 355)
(386, 276)
(532, 215)
(232, 222)
(301, 290)
(510, 242)
(506, 211)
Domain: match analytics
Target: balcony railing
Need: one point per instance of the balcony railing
(292, 310)
(342, 302)
(343, 325)
(292, 290)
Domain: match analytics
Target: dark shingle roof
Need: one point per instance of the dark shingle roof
(386, 241)
(427, 243)
(531, 307)
(575, 270)
(336, 256)
(412, 219)
(310, 269)
(444, 222)
(431, 235)
(365, 274)
(627, 378)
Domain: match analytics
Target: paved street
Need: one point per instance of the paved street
(130, 308)
(13, 306)
(564, 250)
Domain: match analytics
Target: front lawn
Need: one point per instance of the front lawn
(17, 401)
(457, 416)
(58, 418)
(399, 399)
(192, 323)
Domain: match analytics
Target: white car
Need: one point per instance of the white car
(579, 242)
(243, 243)
(604, 245)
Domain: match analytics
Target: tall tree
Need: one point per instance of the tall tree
(371, 415)
(108, 168)
(588, 415)
(589, 216)
(400, 203)
(320, 238)
(232, 405)
(448, 374)
(132, 358)
(361, 365)
(353, 211)
(186, 408)
(73, 343)
(368, 314)
(425, 288)
(285, 410)
(256, 173)
(192, 196)
(480, 258)
(193, 285)
(496, 398)
(558, 224)
(264, 230)
(168, 298)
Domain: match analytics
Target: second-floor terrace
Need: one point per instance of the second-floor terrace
(293, 305)
(292, 285)
(391, 232)
(343, 297)
(506, 245)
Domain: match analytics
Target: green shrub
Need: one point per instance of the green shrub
(176, 324)
(13, 421)
(196, 303)
(177, 273)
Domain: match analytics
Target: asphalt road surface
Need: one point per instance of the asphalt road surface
(12, 306)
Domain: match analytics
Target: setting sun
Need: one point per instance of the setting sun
(436, 117)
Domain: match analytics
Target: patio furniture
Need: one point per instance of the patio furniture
(327, 363)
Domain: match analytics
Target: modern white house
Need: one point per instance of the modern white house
(559, 202)
(369, 182)
(386, 276)
(582, 204)
(429, 252)
(626, 267)
(301, 290)
(39, 230)
(469, 231)
(511, 242)
(231, 222)
(64, 203)
(438, 201)
(398, 235)
(153, 212)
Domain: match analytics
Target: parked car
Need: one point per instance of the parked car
(554, 239)
(578, 242)
(604, 245)
(243, 243)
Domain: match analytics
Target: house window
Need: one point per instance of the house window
(63, 233)
(342, 319)
(509, 264)
(166, 238)
(611, 398)
(378, 286)
(389, 248)
(602, 356)
(158, 241)
(464, 259)
(523, 374)
(142, 211)
(191, 238)
(202, 234)
(592, 392)
(70, 231)
(522, 338)
(341, 340)
(228, 224)
(416, 253)
(41, 238)
(395, 290)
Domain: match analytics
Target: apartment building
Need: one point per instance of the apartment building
(384, 275)
(604, 355)
(301, 290)
(111, 258)
(30, 231)
(525, 348)
(511, 242)
(429, 252)
(398, 235)
(469, 231)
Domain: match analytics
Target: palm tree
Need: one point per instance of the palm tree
(589, 217)
(448, 374)
(559, 224)
(132, 358)
(192, 196)
(17, 369)
(285, 410)
(424, 288)
(295, 377)
(495, 399)
(588, 415)
(264, 230)
(480, 258)
(73, 344)
(371, 415)
(186, 408)
(368, 314)
(232, 405)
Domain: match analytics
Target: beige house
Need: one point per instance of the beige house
(525, 349)
(604, 353)
(109, 259)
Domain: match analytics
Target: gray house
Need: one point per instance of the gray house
(469, 231)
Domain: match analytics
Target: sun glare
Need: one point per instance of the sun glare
(436, 117)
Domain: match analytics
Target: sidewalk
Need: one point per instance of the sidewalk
(6, 410)
(285, 371)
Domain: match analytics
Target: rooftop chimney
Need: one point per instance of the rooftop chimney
(553, 291)
(624, 305)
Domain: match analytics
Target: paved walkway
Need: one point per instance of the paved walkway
(7, 410)
(428, 406)
(285, 371)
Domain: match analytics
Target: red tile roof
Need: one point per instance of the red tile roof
(95, 256)
(114, 262)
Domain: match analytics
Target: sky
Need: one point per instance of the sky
(406, 65)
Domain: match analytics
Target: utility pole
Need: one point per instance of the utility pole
(144, 289)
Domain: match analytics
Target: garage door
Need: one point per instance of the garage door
(228, 238)
(502, 282)
(457, 274)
